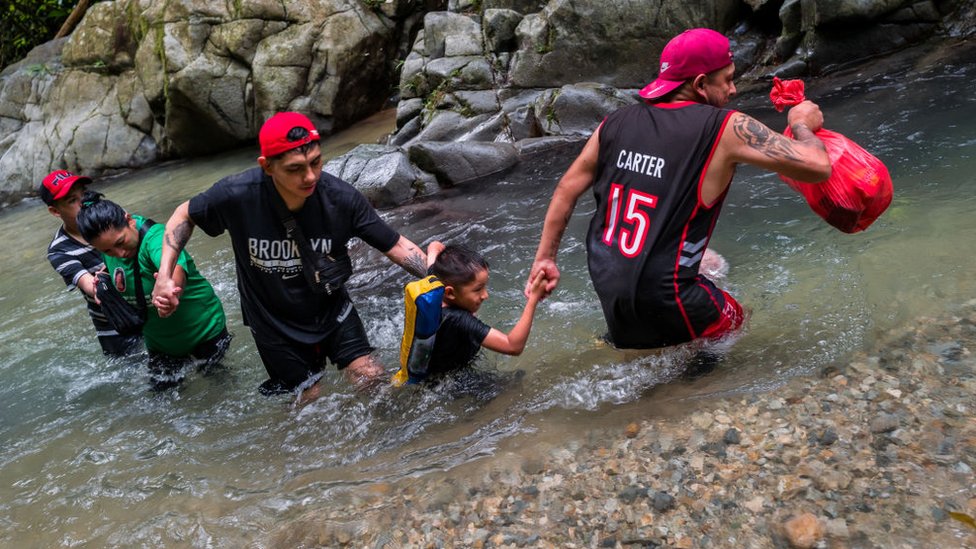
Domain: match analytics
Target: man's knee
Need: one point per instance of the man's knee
(362, 368)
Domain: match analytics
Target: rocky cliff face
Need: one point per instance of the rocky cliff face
(144, 80)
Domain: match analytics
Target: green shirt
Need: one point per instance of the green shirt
(199, 317)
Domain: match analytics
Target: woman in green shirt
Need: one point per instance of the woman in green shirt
(196, 333)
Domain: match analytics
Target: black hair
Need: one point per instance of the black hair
(457, 265)
(98, 215)
(295, 134)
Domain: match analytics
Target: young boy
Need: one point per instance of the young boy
(76, 260)
(461, 334)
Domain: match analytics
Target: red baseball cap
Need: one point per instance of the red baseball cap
(693, 52)
(58, 183)
(273, 136)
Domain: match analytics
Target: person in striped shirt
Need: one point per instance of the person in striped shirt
(75, 259)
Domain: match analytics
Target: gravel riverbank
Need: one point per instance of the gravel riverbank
(877, 452)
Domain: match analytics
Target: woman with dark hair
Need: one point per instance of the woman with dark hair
(196, 333)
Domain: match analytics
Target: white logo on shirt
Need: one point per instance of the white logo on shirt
(282, 255)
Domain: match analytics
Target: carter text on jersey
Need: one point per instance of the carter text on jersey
(640, 163)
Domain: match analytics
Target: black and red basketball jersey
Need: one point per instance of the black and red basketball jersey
(647, 238)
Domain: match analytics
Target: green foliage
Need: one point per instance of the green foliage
(38, 69)
(29, 23)
(552, 119)
(549, 45)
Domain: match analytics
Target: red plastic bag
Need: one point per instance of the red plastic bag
(859, 188)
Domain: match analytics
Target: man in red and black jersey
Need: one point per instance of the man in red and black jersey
(660, 170)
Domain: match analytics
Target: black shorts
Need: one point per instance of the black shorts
(120, 345)
(166, 371)
(290, 363)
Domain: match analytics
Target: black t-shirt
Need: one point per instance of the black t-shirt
(458, 341)
(276, 300)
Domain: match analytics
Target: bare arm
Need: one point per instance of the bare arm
(577, 179)
(409, 256)
(166, 292)
(513, 343)
(803, 158)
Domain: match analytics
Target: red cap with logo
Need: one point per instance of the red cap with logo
(693, 52)
(273, 136)
(58, 183)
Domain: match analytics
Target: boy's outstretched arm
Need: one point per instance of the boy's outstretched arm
(513, 343)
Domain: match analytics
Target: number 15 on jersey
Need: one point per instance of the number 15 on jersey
(635, 222)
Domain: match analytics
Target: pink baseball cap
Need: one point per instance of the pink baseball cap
(273, 136)
(693, 52)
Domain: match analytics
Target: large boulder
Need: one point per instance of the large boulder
(53, 118)
(456, 163)
(613, 42)
(383, 174)
(142, 80)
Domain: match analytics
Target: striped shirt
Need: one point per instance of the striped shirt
(71, 259)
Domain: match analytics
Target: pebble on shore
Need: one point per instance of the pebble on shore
(877, 452)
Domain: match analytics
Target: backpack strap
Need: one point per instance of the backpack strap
(314, 265)
(137, 272)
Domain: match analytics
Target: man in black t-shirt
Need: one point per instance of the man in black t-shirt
(296, 318)
(659, 171)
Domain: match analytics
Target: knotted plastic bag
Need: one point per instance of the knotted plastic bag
(859, 188)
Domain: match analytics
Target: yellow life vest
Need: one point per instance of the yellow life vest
(422, 317)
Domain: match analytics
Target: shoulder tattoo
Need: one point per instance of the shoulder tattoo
(764, 140)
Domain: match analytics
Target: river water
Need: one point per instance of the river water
(91, 457)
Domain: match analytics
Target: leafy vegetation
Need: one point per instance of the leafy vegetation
(29, 23)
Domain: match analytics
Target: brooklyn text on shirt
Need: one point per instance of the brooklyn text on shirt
(277, 255)
(641, 163)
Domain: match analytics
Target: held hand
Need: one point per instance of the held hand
(806, 113)
(550, 273)
(165, 296)
(537, 286)
(94, 287)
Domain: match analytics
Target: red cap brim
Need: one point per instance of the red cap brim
(659, 88)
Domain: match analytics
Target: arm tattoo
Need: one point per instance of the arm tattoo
(760, 137)
(415, 264)
(180, 235)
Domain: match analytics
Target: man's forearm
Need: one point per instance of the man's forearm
(178, 231)
(409, 256)
(557, 219)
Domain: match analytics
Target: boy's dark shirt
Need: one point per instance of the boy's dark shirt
(458, 340)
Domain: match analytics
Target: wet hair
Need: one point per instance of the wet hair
(295, 134)
(98, 215)
(458, 265)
